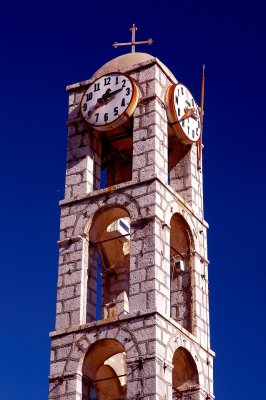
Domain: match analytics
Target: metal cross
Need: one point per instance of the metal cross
(133, 40)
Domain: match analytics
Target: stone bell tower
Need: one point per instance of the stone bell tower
(132, 316)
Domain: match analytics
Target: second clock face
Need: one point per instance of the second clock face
(183, 113)
(109, 101)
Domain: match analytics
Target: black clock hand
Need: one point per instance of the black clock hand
(106, 97)
(188, 113)
(114, 92)
(101, 101)
(109, 94)
(98, 104)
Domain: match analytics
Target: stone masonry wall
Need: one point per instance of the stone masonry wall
(150, 206)
(150, 341)
(148, 333)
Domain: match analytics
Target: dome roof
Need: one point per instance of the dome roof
(125, 61)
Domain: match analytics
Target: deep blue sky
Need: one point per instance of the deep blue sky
(45, 46)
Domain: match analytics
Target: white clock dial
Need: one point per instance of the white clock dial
(183, 113)
(109, 101)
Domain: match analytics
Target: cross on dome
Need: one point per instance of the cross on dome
(133, 42)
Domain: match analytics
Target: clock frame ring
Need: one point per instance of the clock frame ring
(183, 113)
(114, 96)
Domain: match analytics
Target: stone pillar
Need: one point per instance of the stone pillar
(150, 268)
(186, 179)
(150, 128)
(83, 171)
(71, 294)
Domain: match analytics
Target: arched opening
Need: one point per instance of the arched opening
(178, 163)
(109, 257)
(104, 371)
(116, 155)
(185, 376)
(180, 269)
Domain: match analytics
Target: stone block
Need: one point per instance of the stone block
(66, 267)
(137, 276)
(57, 368)
(72, 304)
(148, 244)
(59, 308)
(68, 221)
(63, 352)
(80, 189)
(151, 347)
(52, 356)
(72, 278)
(140, 135)
(137, 324)
(137, 302)
(62, 321)
(146, 173)
(71, 99)
(146, 260)
(65, 293)
(71, 385)
(151, 273)
(150, 119)
(134, 289)
(73, 179)
(73, 112)
(165, 291)
(142, 335)
(160, 350)
(139, 191)
(56, 389)
(139, 161)
(64, 211)
(78, 97)
(142, 146)
(60, 281)
(161, 303)
(147, 200)
(75, 318)
(161, 387)
(135, 247)
(150, 387)
(147, 74)
(159, 212)
(166, 337)
(133, 388)
(147, 286)
(154, 88)
(70, 397)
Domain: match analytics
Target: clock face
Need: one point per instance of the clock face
(109, 101)
(183, 114)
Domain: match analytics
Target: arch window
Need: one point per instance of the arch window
(180, 270)
(109, 257)
(178, 164)
(113, 156)
(185, 376)
(104, 371)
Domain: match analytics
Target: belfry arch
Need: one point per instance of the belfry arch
(108, 267)
(178, 161)
(104, 371)
(185, 376)
(181, 271)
